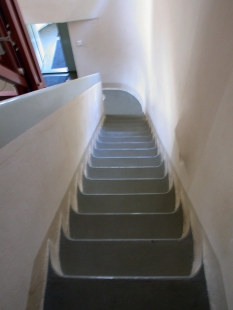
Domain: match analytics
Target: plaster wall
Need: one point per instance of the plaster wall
(36, 169)
(115, 44)
(53, 11)
(190, 105)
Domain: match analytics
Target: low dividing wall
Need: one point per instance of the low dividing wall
(41, 147)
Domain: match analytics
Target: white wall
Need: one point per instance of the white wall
(114, 44)
(54, 11)
(35, 171)
(191, 107)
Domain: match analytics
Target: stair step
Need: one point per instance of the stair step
(149, 161)
(126, 226)
(123, 121)
(112, 186)
(124, 133)
(126, 293)
(125, 146)
(125, 125)
(125, 153)
(125, 173)
(126, 257)
(127, 203)
(124, 116)
(121, 128)
(126, 248)
(148, 138)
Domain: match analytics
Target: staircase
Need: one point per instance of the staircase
(126, 248)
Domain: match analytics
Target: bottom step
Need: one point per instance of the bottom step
(126, 293)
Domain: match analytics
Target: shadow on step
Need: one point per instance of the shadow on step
(126, 203)
(125, 172)
(126, 226)
(126, 257)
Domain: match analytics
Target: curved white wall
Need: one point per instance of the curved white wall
(115, 44)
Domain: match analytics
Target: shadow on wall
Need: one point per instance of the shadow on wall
(120, 102)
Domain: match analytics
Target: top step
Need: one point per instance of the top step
(125, 117)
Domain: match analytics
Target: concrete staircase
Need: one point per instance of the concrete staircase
(126, 248)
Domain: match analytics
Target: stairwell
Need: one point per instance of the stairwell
(127, 248)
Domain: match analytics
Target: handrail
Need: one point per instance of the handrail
(23, 112)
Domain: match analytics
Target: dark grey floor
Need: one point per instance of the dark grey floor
(126, 248)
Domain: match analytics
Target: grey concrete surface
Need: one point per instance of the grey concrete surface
(124, 186)
(125, 153)
(126, 203)
(126, 293)
(126, 226)
(104, 133)
(126, 139)
(126, 173)
(125, 145)
(150, 161)
(125, 249)
(126, 257)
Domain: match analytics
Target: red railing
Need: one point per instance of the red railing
(18, 63)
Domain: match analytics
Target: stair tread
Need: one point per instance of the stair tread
(126, 203)
(125, 172)
(114, 186)
(186, 293)
(132, 226)
(134, 257)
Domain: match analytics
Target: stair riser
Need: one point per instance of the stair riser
(125, 162)
(139, 203)
(119, 129)
(125, 139)
(125, 173)
(125, 146)
(125, 117)
(125, 186)
(137, 226)
(132, 127)
(124, 133)
(125, 153)
(126, 258)
(123, 122)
